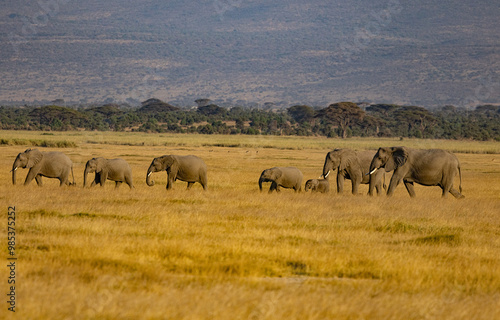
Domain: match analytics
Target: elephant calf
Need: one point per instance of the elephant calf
(286, 177)
(117, 170)
(317, 185)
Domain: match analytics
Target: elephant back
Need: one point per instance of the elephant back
(57, 157)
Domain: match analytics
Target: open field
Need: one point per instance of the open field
(235, 253)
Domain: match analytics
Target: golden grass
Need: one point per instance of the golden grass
(235, 253)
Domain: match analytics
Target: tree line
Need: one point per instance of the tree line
(342, 119)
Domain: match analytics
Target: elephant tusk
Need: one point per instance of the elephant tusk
(372, 172)
(13, 169)
(149, 173)
(327, 174)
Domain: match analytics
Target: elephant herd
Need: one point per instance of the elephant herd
(58, 166)
(428, 167)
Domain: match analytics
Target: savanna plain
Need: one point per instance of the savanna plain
(233, 252)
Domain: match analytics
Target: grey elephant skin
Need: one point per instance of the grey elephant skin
(117, 170)
(317, 185)
(286, 177)
(190, 169)
(428, 167)
(43, 164)
(354, 166)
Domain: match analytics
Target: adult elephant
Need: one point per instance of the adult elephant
(286, 177)
(190, 169)
(354, 166)
(428, 167)
(117, 170)
(317, 185)
(43, 164)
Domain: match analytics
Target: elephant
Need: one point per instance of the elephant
(286, 177)
(353, 165)
(117, 170)
(43, 164)
(190, 169)
(428, 167)
(317, 185)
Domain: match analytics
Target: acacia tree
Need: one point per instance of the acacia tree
(301, 113)
(342, 114)
(417, 118)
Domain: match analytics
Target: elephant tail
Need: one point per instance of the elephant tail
(460, 176)
(73, 176)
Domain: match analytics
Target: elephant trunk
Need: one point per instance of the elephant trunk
(149, 182)
(85, 173)
(14, 169)
(327, 168)
(260, 183)
(14, 175)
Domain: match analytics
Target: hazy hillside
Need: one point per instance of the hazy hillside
(286, 51)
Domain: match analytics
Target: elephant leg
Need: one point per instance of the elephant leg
(103, 178)
(410, 188)
(64, 180)
(372, 186)
(190, 184)
(38, 179)
(117, 184)
(274, 186)
(170, 181)
(456, 194)
(203, 181)
(32, 175)
(96, 180)
(395, 180)
(447, 186)
(340, 183)
(128, 181)
(355, 186)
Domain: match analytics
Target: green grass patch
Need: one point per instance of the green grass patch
(39, 143)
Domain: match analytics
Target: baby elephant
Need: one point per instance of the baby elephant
(116, 170)
(318, 185)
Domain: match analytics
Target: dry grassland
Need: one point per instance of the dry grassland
(235, 253)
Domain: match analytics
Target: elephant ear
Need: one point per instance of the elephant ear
(347, 159)
(277, 174)
(34, 157)
(99, 164)
(397, 159)
(334, 157)
(170, 163)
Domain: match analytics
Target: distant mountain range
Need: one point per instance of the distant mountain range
(249, 52)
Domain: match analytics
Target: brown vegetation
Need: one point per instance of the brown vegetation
(235, 253)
